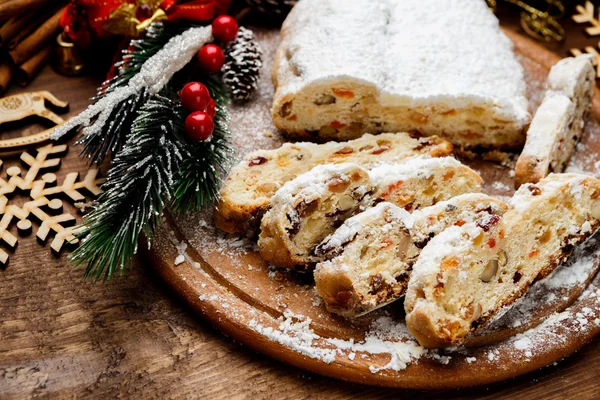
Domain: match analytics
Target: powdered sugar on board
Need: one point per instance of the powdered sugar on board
(225, 269)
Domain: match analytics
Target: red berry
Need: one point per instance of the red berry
(211, 108)
(194, 96)
(211, 58)
(199, 125)
(224, 28)
(143, 12)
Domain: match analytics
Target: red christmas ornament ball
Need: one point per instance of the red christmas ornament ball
(224, 28)
(199, 125)
(211, 58)
(211, 108)
(195, 96)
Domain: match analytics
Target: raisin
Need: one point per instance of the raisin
(257, 161)
(304, 208)
(517, 277)
(376, 284)
(286, 109)
(422, 243)
(535, 191)
(343, 299)
(487, 222)
(294, 224)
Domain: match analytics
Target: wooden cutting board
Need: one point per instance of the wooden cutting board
(278, 313)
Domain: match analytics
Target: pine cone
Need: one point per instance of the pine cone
(273, 7)
(243, 59)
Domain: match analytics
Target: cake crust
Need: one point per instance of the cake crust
(343, 69)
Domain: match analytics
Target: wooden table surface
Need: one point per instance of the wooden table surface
(62, 337)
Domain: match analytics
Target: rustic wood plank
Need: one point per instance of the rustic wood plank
(64, 338)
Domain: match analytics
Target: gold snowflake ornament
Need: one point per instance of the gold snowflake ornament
(43, 206)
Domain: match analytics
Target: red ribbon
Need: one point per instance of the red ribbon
(197, 10)
(83, 17)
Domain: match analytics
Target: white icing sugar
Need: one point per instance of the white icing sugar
(450, 242)
(565, 75)
(384, 337)
(416, 167)
(551, 186)
(313, 184)
(549, 121)
(356, 224)
(416, 52)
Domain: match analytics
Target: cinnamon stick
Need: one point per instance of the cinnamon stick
(13, 8)
(13, 26)
(29, 68)
(38, 18)
(6, 73)
(34, 42)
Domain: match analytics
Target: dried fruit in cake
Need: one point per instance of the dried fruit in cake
(559, 121)
(253, 182)
(414, 183)
(468, 274)
(423, 181)
(346, 68)
(369, 259)
(310, 207)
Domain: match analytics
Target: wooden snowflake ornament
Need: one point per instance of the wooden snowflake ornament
(586, 15)
(43, 206)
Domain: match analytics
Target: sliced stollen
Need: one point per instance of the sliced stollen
(369, 259)
(558, 123)
(344, 68)
(466, 275)
(309, 208)
(251, 184)
(423, 181)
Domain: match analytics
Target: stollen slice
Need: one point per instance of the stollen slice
(369, 259)
(559, 121)
(467, 275)
(309, 208)
(251, 184)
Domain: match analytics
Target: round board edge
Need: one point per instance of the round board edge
(419, 375)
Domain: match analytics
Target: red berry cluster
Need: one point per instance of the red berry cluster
(211, 57)
(196, 98)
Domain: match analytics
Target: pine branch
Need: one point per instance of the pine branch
(139, 51)
(137, 188)
(198, 181)
(98, 144)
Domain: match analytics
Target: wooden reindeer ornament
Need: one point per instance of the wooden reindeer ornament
(23, 105)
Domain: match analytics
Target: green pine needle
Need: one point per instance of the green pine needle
(111, 139)
(198, 181)
(137, 188)
(156, 165)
